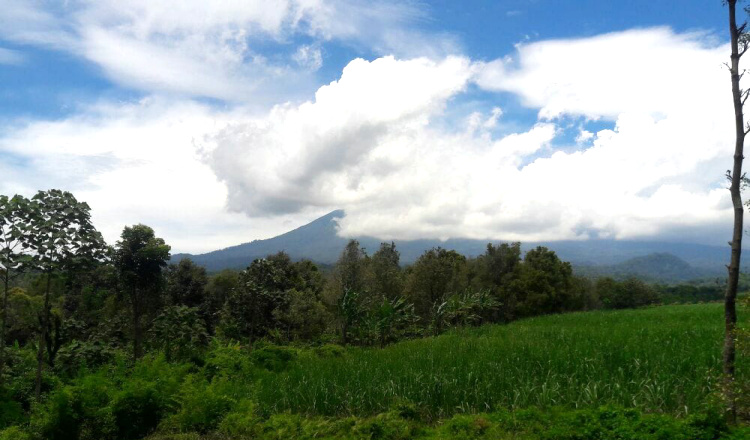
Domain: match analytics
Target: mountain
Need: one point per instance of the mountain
(653, 267)
(318, 241)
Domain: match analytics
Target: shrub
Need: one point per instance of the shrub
(227, 360)
(202, 405)
(138, 409)
(14, 433)
(11, 411)
(59, 418)
(273, 358)
(243, 421)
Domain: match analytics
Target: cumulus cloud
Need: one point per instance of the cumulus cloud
(370, 144)
(137, 163)
(654, 71)
(384, 143)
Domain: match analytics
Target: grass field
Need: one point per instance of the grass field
(661, 359)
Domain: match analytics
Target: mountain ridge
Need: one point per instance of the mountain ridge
(318, 241)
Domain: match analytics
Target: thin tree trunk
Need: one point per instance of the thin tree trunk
(730, 311)
(4, 323)
(42, 339)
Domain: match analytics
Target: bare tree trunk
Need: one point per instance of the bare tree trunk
(730, 311)
(42, 339)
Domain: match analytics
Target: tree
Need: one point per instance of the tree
(140, 257)
(387, 276)
(219, 287)
(351, 312)
(391, 317)
(739, 45)
(352, 267)
(179, 332)
(436, 274)
(260, 290)
(543, 283)
(14, 257)
(186, 286)
(61, 234)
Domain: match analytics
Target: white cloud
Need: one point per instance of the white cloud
(366, 148)
(318, 153)
(654, 71)
(137, 163)
(376, 143)
(308, 57)
(211, 49)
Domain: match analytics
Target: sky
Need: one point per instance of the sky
(217, 123)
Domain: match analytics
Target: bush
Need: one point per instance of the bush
(11, 411)
(60, 417)
(228, 361)
(14, 433)
(202, 405)
(273, 358)
(138, 409)
(243, 421)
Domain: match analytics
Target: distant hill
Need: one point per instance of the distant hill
(318, 241)
(654, 267)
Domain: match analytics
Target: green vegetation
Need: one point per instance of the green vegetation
(661, 359)
(115, 343)
(631, 374)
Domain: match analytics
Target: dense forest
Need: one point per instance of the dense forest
(73, 305)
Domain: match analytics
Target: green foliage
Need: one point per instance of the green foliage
(186, 284)
(303, 317)
(140, 257)
(662, 359)
(273, 358)
(61, 233)
(542, 285)
(352, 268)
(392, 319)
(330, 351)
(228, 361)
(433, 277)
(242, 422)
(625, 294)
(387, 277)
(11, 411)
(179, 332)
(202, 405)
(79, 355)
(351, 312)
(15, 433)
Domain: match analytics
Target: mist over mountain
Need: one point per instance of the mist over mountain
(319, 242)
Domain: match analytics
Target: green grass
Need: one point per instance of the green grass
(662, 359)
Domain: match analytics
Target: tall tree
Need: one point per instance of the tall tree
(435, 275)
(387, 275)
(14, 244)
(61, 234)
(140, 257)
(352, 267)
(186, 284)
(739, 45)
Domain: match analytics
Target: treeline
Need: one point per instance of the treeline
(76, 302)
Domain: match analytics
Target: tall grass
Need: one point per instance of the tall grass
(661, 359)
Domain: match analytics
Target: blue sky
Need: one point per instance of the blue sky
(222, 122)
